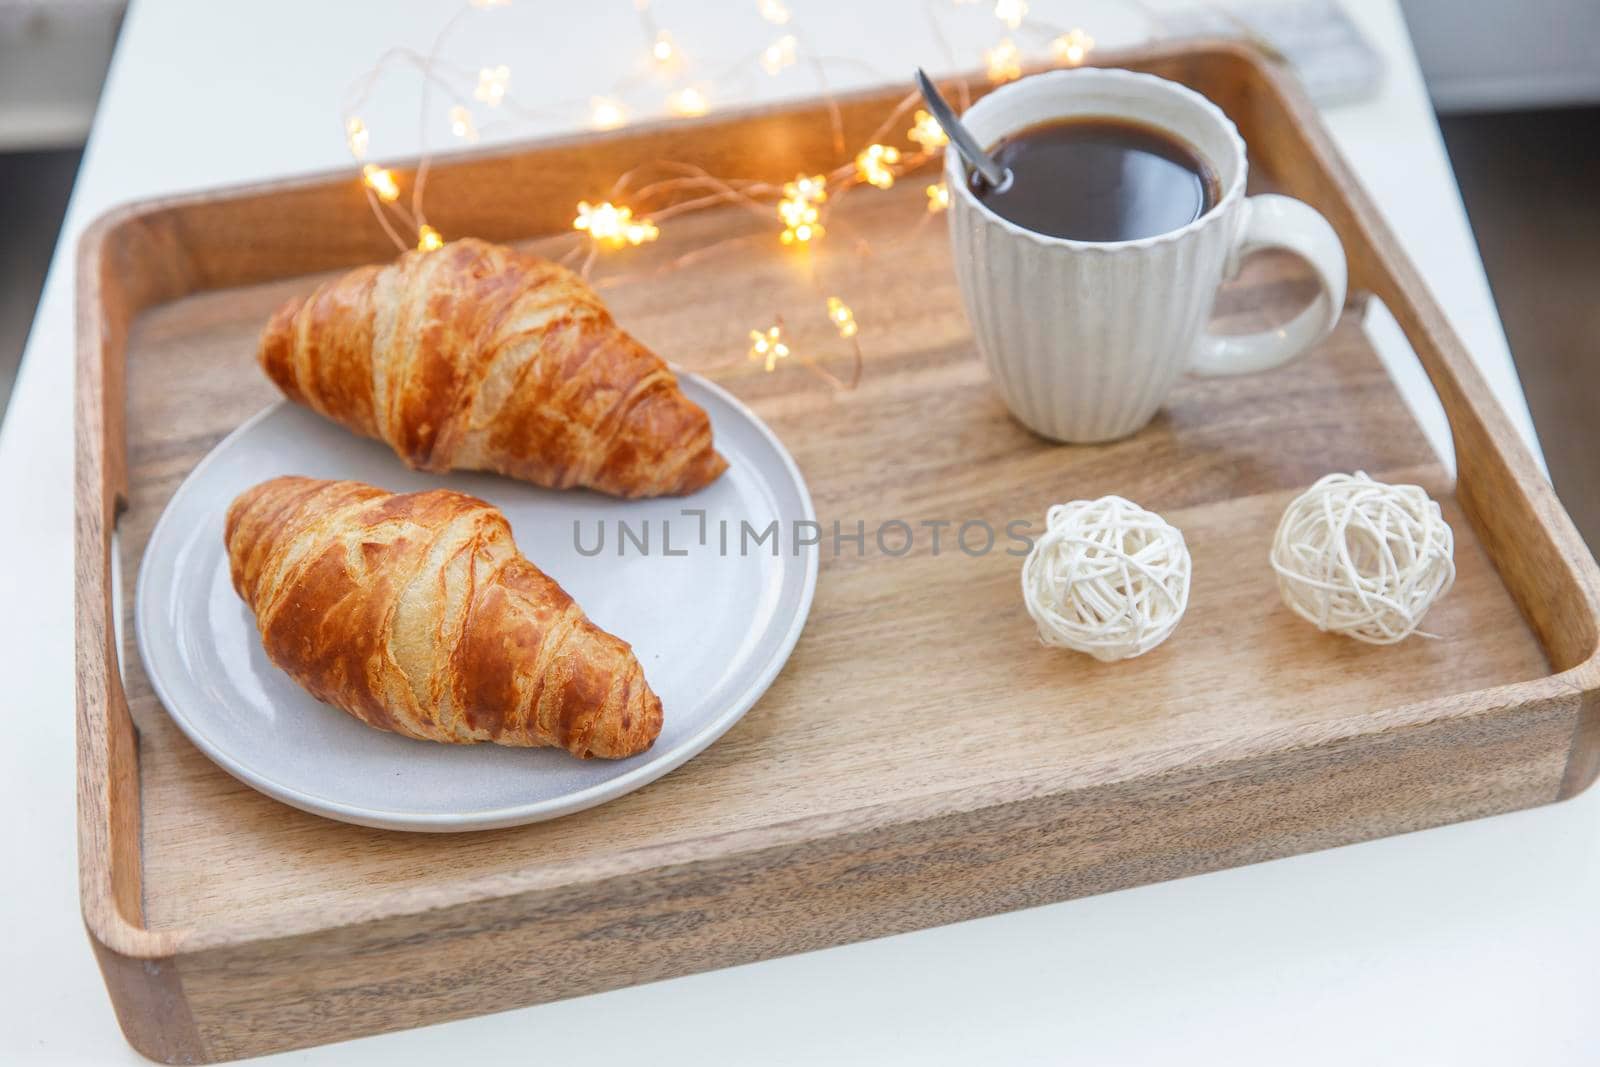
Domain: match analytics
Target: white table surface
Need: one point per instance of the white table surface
(1471, 944)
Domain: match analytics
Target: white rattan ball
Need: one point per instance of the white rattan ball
(1106, 577)
(1358, 557)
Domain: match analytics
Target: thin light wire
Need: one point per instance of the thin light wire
(682, 189)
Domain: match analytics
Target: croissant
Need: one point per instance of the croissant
(478, 357)
(415, 613)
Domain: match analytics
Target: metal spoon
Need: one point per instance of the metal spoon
(996, 175)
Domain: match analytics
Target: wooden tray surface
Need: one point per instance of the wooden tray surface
(921, 759)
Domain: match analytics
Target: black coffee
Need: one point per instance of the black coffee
(1098, 179)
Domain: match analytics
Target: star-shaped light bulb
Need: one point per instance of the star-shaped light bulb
(767, 347)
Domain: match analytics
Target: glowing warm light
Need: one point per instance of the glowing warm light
(663, 50)
(492, 85)
(814, 188)
(803, 233)
(843, 318)
(778, 54)
(688, 103)
(799, 221)
(381, 181)
(767, 347)
(927, 132)
(356, 137)
(873, 164)
(798, 208)
(1071, 48)
(1004, 62)
(1011, 12)
(606, 114)
(461, 123)
(608, 226)
(613, 226)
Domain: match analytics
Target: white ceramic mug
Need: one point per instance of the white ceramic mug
(1085, 340)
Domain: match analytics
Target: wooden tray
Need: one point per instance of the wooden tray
(921, 760)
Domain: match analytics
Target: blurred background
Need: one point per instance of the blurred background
(1516, 87)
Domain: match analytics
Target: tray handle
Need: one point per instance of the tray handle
(1552, 575)
(108, 752)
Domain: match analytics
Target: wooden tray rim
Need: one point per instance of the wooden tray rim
(107, 750)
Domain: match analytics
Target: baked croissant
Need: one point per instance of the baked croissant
(478, 357)
(415, 613)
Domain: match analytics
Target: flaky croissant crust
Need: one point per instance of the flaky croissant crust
(479, 357)
(415, 613)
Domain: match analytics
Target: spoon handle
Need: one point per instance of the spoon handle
(970, 151)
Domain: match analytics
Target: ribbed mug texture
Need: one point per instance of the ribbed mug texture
(1085, 340)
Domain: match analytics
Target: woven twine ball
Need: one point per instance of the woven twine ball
(1107, 577)
(1358, 557)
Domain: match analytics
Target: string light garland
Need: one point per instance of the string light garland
(461, 124)
(798, 209)
(1011, 12)
(381, 181)
(1071, 48)
(356, 137)
(612, 226)
(779, 54)
(927, 132)
(800, 221)
(688, 103)
(606, 114)
(844, 320)
(813, 188)
(492, 85)
(767, 347)
(875, 165)
(663, 50)
(1003, 62)
(629, 215)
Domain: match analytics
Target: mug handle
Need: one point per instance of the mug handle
(1272, 221)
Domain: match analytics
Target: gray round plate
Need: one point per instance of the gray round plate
(712, 629)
